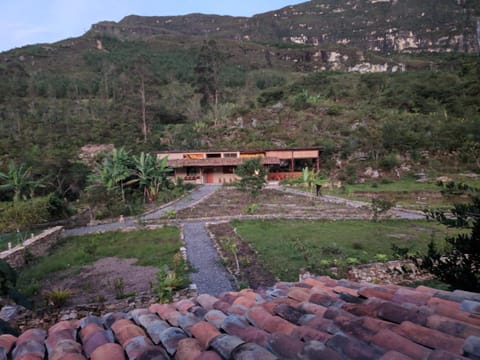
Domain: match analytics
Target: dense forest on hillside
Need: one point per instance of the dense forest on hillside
(175, 90)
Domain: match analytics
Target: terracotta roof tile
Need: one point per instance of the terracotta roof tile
(315, 319)
(184, 305)
(215, 317)
(108, 352)
(204, 332)
(7, 341)
(392, 341)
(352, 348)
(288, 313)
(225, 345)
(314, 350)
(444, 355)
(452, 327)
(472, 347)
(284, 346)
(251, 351)
(430, 338)
(404, 295)
(206, 301)
(188, 349)
(306, 333)
(170, 339)
(394, 355)
(209, 355)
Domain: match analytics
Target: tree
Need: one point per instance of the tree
(19, 180)
(151, 175)
(252, 176)
(114, 171)
(458, 263)
(207, 71)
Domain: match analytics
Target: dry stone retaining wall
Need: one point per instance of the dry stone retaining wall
(36, 246)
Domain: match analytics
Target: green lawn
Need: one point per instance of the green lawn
(149, 247)
(284, 245)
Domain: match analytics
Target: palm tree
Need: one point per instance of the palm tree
(19, 180)
(151, 174)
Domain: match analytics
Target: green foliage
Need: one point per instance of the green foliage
(379, 206)
(389, 162)
(268, 79)
(149, 247)
(251, 209)
(172, 279)
(23, 214)
(458, 263)
(252, 175)
(19, 180)
(270, 97)
(325, 243)
(58, 297)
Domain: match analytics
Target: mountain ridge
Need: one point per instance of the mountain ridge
(383, 26)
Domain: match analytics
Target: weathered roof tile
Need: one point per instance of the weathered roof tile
(352, 348)
(225, 345)
(431, 338)
(207, 301)
(204, 332)
(171, 337)
(314, 350)
(392, 341)
(188, 349)
(472, 347)
(285, 347)
(108, 352)
(251, 351)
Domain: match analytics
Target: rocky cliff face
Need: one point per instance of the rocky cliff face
(382, 26)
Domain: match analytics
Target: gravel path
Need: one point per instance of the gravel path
(197, 195)
(397, 211)
(209, 275)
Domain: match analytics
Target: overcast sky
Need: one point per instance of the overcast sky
(24, 22)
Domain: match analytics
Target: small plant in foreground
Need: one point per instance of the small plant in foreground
(381, 257)
(119, 288)
(251, 209)
(58, 297)
(171, 214)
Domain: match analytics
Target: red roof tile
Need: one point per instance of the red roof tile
(315, 319)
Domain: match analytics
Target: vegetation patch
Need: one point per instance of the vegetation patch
(79, 263)
(287, 246)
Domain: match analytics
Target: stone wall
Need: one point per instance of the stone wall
(36, 246)
(391, 272)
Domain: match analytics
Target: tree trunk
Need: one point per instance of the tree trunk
(144, 112)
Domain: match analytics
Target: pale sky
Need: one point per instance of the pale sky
(25, 22)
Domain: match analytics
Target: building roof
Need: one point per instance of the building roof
(319, 148)
(217, 162)
(318, 318)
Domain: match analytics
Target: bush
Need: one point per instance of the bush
(23, 214)
(389, 162)
(270, 97)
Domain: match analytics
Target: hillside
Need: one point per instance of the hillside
(365, 79)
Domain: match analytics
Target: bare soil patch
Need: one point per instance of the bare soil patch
(104, 281)
(229, 202)
(251, 272)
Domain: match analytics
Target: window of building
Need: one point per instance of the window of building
(228, 169)
(192, 171)
(230, 155)
(214, 155)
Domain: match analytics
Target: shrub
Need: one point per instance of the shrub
(389, 162)
(270, 97)
(22, 214)
(58, 297)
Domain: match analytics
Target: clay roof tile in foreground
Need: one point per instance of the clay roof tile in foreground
(319, 318)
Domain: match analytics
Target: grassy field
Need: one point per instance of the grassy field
(150, 247)
(286, 246)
